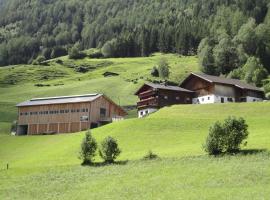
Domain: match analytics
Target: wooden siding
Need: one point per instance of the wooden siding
(66, 122)
(200, 86)
(162, 97)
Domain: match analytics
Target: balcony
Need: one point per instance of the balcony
(147, 93)
(152, 101)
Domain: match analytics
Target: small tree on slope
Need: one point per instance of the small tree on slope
(88, 148)
(109, 150)
(226, 137)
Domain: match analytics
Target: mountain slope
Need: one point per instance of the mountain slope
(47, 27)
(176, 134)
(19, 83)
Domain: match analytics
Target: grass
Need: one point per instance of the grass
(47, 167)
(175, 134)
(17, 83)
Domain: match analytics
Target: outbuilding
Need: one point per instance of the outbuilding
(66, 114)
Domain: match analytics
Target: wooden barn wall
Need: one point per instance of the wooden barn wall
(200, 86)
(66, 122)
(224, 90)
(52, 118)
(111, 109)
(184, 98)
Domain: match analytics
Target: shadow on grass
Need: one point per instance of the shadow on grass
(102, 164)
(243, 152)
(251, 151)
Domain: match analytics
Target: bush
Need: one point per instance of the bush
(13, 128)
(109, 150)
(74, 53)
(88, 148)
(39, 60)
(226, 137)
(163, 68)
(96, 54)
(150, 156)
(155, 72)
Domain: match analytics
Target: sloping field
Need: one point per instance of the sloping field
(60, 77)
(47, 166)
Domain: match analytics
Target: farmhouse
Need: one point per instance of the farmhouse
(155, 96)
(195, 89)
(214, 89)
(66, 114)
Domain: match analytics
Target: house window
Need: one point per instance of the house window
(62, 111)
(84, 118)
(141, 113)
(165, 97)
(83, 110)
(102, 112)
(177, 98)
(78, 110)
(230, 99)
(208, 98)
(21, 113)
(146, 112)
(222, 100)
(86, 110)
(202, 99)
(66, 111)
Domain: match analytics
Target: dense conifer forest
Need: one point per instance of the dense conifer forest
(229, 36)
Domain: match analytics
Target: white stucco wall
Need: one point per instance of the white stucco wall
(145, 112)
(253, 99)
(211, 99)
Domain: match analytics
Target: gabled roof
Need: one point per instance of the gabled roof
(222, 80)
(163, 87)
(60, 100)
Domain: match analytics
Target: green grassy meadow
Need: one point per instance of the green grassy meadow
(17, 83)
(176, 134)
(47, 167)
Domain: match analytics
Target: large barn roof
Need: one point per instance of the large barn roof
(222, 80)
(164, 87)
(60, 100)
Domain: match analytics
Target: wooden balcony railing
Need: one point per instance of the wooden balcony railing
(152, 101)
(147, 93)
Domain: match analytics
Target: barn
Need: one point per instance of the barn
(66, 114)
(215, 89)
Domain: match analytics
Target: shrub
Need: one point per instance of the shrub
(226, 137)
(150, 156)
(88, 148)
(109, 150)
(74, 53)
(163, 68)
(155, 72)
(39, 60)
(13, 128)
(96, 54)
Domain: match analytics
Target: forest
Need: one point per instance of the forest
(230, 37)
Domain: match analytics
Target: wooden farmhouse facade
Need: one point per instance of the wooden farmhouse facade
(155, 96)
(195, 89)
(214, 89)
(66, 114)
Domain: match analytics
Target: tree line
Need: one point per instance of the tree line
(224, 33)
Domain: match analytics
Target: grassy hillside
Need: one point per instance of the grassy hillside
(176, 134)
(47, 167)
(18, 83)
